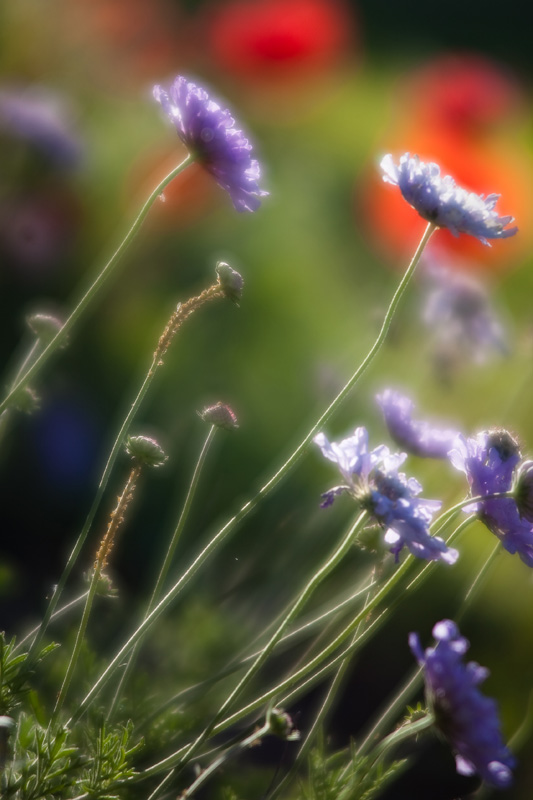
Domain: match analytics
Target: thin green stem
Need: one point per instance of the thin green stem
(91, 292)
(182, 518)
(167, 561)
(440, 522)
(182, 312)
(401, 734)
(268, 486)
(288, 640)
(116, 521)
(331, 693)
(336, 556)
(231, 752)
(60, 611)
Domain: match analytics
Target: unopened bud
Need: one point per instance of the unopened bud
(44, 326)
(145, 450)
(281, 725)
(220, 415)
(524, 491)
(505, 444)
(230, 281)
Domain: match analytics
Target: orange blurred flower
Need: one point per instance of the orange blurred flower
(454, 113)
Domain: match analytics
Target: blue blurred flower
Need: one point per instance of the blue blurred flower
(209, 133)
(441, 201)
(373, 480)
(489, 462)
(40, 117)
(467, 718)
(459, 314)
(418, 437)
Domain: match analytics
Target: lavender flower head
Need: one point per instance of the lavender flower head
(489, 462)
(460, 316)
(467, 718)
(209, 133)
(373, 480)
(418, 437)
(41, 117)
(440, 201)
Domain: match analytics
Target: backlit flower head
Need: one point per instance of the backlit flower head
(440, 201)
(209, 133)
(418, 437)
(373, 480)
(489, 462)
(467, 718)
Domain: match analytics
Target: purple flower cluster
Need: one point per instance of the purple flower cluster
(467, 718)
(489, 462)
(420, 438)
(372, 478)
(441, 201)
(209, 133)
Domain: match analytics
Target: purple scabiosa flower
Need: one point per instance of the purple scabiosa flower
(460, 317)
(440, 201)
(467, 718)
(418, 437)
(41, 117)
(489, 462)
(373, 480)
(209, 133)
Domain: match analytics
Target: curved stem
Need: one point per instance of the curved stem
(116, 521)
(268, 486)
(326, 568)
(401, 734)
(182, 313)
(94, 288)
(168, 557)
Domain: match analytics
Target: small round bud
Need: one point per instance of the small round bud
(44, 326)
(281, 725)
(230, 281)
(145, 450)
(220, 415)
(524, 491)
(504, 443)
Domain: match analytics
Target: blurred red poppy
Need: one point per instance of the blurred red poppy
(278, 39)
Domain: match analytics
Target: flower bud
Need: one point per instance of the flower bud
(220, 415)
(145, 450)
(230, 281)
(44, 326)
(524, 491)
(281, 725)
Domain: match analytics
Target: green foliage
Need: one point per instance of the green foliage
(16, 671)
(332, 777)
(45, 763)
(110, 764)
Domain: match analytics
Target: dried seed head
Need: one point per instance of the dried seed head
(220, 415)
(230, 281)
(145, 450)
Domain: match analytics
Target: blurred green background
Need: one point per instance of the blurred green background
(324, 90)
